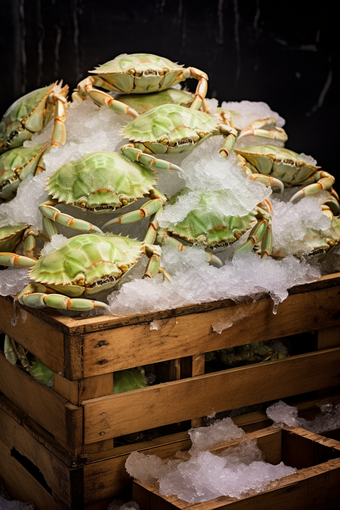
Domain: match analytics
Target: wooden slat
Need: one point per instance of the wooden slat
(204, 395)
(38, 337)
(22, 485)
(78, 325)
(312, 488)
(130, 346)
(62, 480)
(328, 337)
(62, 419)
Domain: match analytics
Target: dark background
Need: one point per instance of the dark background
(283, 53)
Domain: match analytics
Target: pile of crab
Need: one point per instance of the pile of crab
(80, 202)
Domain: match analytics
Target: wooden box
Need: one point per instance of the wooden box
(81, 422)
(314, 486)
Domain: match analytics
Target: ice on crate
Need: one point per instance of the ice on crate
(7, 503)
(207, 475)
(195, 281)
(221, 431)
(327, 419)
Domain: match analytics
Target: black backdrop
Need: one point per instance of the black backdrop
(283, 53)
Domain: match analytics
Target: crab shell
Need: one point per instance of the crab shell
(171, 129)
(26, 116)
(144, 102)
(10, 236)
(16, 165)
(279, 162)
(101, 182)
(139, 73)
(212, 230)
(87, 263)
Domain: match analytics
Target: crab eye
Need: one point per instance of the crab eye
(80, 280)
(164, 139)
(82, 202)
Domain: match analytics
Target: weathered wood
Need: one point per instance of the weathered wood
(328, 337)
(93, 387)
(38, 337)
(65, 482)
(62, 419)
(23, 486)
(313, 488)
(187, 335)
(229, 389)
(73, 357)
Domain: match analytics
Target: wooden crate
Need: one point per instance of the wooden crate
(314, 486)
(35, 468)
(80, 422)
(85, 416)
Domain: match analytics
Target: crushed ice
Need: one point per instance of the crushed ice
(91, 129)
(206, 475)
(327, 419)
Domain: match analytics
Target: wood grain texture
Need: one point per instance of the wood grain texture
(187, 335)
(62, 419)
(204, 395)
(23, 486)
(38, 337)
(313, 488)
(79, 325)
(62, 480)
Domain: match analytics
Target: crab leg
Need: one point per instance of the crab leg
(324, 181)
(53, 214)
(87, 88)
(261, 232)
(12, 259)
(230, 135)
(39, 296)
(202, 86)
(135, 154)
(14, 352)
(265, 179)
(149, 208)
(265, 128)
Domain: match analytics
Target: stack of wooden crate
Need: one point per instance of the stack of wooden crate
(66, 447)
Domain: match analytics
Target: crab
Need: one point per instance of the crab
(15, 353)
(316, 243)
(144, 102)
(215, 231)
(100, 182)
(12, 235)
(138, 73)
(263, 128)
(266, 161)
(168, 129)
(84, 265)
(31, 113)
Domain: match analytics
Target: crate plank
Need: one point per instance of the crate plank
(312, 488)
(23, 486)
(62, 419)
(229, 389)
(38, 337)
(65, 482)
(187, 335)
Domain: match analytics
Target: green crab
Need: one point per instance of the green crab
(168, 129)
(144, 102)
(12, 235)
(267, 161)
(138, 73)
(215, 231)
(263, 128)
(31, 113)
(84, 265)
(15, 353)
(100, 182)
